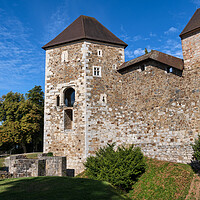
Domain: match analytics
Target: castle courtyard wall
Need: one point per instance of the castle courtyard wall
(153, 109)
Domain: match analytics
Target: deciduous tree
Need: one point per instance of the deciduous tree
(22, 119)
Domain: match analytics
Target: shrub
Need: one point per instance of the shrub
(196, 149)
(121, 168)
(50, 154)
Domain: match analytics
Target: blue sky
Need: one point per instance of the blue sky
(26, 25)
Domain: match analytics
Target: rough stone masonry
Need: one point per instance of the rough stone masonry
(93, 97)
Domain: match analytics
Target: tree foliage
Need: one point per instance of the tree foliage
(21, 118)
(196, 149)
(121, 167)
(146, 51)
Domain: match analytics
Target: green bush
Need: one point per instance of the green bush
(50, 154)
(121, 167)
(196, 149)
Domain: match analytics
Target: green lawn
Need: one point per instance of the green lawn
(163, 181)
(32, 155)
(57, 188)
(2, 162)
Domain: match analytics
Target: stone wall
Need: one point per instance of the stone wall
(153, 109)
(191, 51)
(59, 76)
(55, 166)
(20, 166)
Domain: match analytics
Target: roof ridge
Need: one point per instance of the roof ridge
(83, 24)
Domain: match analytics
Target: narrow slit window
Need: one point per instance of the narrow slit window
(64, 57)
(99, 52)
(58, 101)
(142, 68)
(68, 118)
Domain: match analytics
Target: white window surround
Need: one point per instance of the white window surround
(103, 98)
(64, 56)
(97, 71)
(114, 66)
(99, 52)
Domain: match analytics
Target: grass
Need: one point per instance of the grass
(51, 188)
(32, 155)
(163, 180)
(2, 162)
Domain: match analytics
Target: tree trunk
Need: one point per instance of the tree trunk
(24, 147)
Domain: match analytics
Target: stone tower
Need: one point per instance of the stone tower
(77, 62)
(190, 37)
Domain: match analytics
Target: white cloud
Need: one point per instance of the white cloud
(171, 30)
(18, 55)
(173, 48)
(139, 52)
(58, 21)
(136, 38)
(196, 2)
(129, 54)
(152, 35)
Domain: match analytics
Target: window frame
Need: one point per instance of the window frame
(95, 69)
(64, 56)
(99, 52)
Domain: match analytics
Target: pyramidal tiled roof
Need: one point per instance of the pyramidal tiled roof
(193, 24)
(85, 27)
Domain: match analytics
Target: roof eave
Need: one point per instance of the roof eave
(80, 39)
(185, 34)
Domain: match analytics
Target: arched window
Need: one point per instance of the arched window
(69, 97)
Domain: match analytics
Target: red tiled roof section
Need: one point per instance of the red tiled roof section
(85, 27)
(157, 56)
(193, 24)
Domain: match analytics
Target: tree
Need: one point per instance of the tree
(22, 119)
(146, 51)
(36, 96)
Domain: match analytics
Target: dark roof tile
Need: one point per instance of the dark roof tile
(85, 28)
(193, 24)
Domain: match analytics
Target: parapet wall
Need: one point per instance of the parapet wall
(20, 166)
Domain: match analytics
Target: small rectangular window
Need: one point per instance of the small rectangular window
(99, 52)
(68, 118)
(97, 71)
(64, 56)
(169, 70)
(114, 66)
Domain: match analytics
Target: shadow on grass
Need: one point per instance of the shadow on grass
(56, 188)
(195, 166)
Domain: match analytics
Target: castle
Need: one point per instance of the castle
(93, 97)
